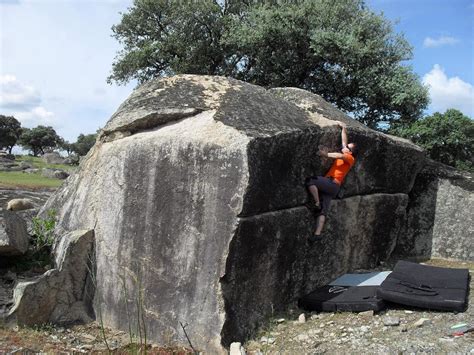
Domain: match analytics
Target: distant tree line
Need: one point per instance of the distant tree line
(40, 139)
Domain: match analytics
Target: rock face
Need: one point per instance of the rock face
(195, 192)
(14, 239)
(62, 295)
(439, 215)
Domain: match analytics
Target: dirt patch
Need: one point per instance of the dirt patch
(90, 338)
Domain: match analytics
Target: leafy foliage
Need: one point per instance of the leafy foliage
(338, 49)
(39, 254)
(448, 137)
(84, 144)
(10, 131)
(39, 138)
(65, 146)
(43, 231)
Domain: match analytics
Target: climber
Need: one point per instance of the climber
(324, 188)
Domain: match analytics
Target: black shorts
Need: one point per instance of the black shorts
(327, 188)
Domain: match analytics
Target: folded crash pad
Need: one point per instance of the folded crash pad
(342, 298)
(426, 286)
(362, 279)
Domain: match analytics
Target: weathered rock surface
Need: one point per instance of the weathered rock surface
(62, 295)
(53, 158)
(14, 239)
(385, 164)
(54, 173)
(439, 217)
(37, 197)
(195, 193)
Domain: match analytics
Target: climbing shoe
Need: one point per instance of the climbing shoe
(313, 238)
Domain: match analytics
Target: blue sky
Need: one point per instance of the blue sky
(55, 56)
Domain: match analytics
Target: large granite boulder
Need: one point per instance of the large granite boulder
(195, 192)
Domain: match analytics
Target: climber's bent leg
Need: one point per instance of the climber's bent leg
(315, 193)
(320, 224)
(329, 190)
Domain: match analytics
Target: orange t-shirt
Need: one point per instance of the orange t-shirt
(340, 168)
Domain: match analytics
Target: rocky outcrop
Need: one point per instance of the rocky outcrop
(14, 239)
(54, 173)
(37, 197)
(62, 295)
(53, 158)
(20, 204)
(439, 216)
(195, 191)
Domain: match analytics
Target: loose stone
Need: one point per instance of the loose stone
(422, 322)
(391, 321)
(235, 348)
(303, 337)
(366, 313)
(302, 318)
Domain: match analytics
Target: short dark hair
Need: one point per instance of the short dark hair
(354, 149)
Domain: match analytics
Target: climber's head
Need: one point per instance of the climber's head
(350, 148)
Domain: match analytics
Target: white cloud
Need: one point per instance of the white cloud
(23, 102)
(440, 41)
(35, 117)
(16, 95)
(448, 93)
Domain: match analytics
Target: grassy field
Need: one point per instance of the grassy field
(39, 163)
(19, 179)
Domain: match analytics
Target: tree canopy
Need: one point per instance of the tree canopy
(38, 139)
(338, 49)
(83, 144)
(448, 137)
(10, 131)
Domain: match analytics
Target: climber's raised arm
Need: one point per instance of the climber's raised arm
(343, 133)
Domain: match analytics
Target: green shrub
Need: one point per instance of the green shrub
(43, 231)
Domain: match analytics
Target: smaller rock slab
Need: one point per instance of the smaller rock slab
(62, 295)
(14, 238)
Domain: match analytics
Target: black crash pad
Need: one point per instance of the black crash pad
(342, 298)
(426, 286)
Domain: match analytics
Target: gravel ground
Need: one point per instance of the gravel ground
(77, 339)
(391, 331)
(330, 333)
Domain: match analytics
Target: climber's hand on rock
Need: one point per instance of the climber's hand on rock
(323, 151)
(341, 124)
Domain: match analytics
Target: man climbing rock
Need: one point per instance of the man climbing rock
(324, 188)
